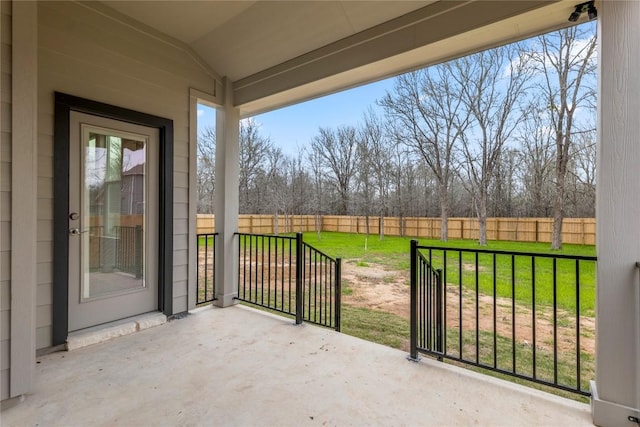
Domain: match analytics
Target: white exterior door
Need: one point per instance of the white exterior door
(113, 220)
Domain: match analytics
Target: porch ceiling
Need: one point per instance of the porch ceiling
(281, 52)
(241, 38)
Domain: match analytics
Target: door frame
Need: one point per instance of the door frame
(64, 104)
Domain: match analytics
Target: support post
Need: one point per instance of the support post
(227, 198)
(616, 390)
(24, 197)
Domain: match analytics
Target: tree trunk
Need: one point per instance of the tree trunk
(381, 227)
(558, 215)
(482, 219)
(444, 213)
(366, 225)
(318, 221)
(276, 224)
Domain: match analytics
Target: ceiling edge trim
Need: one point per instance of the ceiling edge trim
(148, 31)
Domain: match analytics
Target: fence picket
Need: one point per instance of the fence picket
(581, 231)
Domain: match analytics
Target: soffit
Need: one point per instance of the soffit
(241, 38)
(276, 53)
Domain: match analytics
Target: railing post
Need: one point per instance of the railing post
(439, 294)
(299, 278)
(138, 250)
(338, 280)
(213, 264)
(413, 329)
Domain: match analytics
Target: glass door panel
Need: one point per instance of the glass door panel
(113, 214)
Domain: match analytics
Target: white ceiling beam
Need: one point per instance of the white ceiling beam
(281, 85)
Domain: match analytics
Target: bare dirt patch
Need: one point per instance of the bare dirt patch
(378, 288)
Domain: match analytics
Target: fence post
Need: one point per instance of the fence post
(299, 278)
(413, 328)
(338, 301)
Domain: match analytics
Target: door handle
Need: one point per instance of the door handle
(76, 231)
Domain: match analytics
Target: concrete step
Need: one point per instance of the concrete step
(107, 331)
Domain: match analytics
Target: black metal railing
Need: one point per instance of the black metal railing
(428, 308)
(206, 281)
(122, 249)
(128, 249)
(321, 292)
(95, 247)
(526, 315)
(286, 275)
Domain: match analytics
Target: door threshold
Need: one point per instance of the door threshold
(107, 331)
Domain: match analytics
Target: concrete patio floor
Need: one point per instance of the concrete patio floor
(239, 366)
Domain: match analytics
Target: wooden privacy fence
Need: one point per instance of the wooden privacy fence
(581, 231)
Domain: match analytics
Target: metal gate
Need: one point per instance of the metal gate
(426, 305)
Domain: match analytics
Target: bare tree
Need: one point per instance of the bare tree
(364, 174)
(502, 187)
(301, 185)
(581, 175)
(254, 149)
(403, 183)
(374, 166)
(337, 153)
(492, 82)
(567, 62)
(206, 175)
(317, 173)
(273, 185)
(536, 160)
(430, 118)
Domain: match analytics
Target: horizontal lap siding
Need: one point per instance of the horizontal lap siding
(5, 196)
(86, 54)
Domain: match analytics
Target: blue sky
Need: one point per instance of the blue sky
(293, 127)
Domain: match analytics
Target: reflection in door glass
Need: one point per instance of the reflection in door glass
(113, 214)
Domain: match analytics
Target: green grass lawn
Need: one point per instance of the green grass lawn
(351, 245)
(393, 253)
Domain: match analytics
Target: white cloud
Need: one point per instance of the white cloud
(200, 112)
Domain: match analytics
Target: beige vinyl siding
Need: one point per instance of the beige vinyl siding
(85, 53)
(5, 197)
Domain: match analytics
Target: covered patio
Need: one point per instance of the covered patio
(139, 70)
(240, 366)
